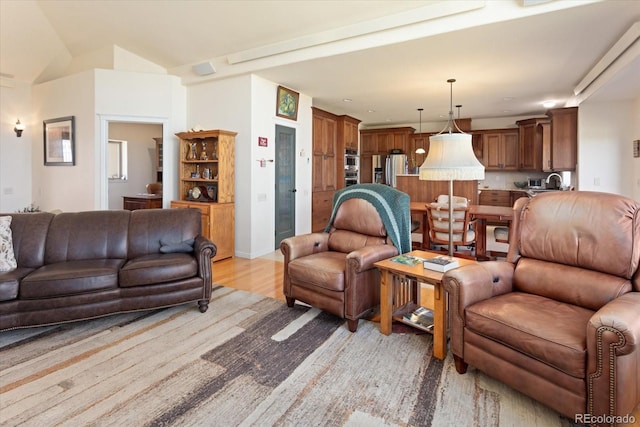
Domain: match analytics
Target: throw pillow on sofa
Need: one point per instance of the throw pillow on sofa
(7, 257)
(185, 246)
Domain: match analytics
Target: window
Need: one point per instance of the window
(117, 160)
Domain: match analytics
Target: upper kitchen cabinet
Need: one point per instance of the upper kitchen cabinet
(348, 132)
(534, 134)
(500, 149)
(561, 154)
(382, 141)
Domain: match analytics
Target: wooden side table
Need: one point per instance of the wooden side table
(400, 294)
(150, 201)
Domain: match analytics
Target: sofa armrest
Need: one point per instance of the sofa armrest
(613, 348)
(363, 259)
(303, 245)
(204, 250)
(470, 284)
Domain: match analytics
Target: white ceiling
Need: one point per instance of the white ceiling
(391, 57)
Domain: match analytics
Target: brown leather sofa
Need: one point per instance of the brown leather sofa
(82, 265)
(334, 271)
(559, 320)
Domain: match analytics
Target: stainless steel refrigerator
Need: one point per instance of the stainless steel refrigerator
(396, 164)
(377, 169)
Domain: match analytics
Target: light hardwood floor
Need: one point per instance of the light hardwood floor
(259, 275)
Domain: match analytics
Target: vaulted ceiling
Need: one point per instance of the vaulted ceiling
(387, 58)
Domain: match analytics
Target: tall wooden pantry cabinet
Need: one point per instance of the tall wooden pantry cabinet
(207, 182)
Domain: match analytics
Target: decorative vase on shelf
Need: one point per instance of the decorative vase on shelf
(193, 154)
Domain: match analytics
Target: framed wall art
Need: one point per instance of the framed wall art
(59, 142)
(287, 103)
(636, 148)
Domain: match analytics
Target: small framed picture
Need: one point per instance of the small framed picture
(636, 148)
(287, 103)
(59, 142)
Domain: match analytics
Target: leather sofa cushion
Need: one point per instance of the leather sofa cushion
(323, 269)
(9, 283)
(71, 278)
(348, 241)
(543, 329)
(149, 227)
(360, 216)
(599, 236)
(29, 237)
(87, 235)
(558, 281)
(157, 268)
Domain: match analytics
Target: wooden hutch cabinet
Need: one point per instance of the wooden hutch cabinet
(207, 182)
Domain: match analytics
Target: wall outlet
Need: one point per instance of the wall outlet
(596, 181)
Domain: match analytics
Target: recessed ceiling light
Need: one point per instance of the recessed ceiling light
(371, 111)
(347, 100)
(549, 104)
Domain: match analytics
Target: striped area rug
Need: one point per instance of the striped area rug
(249, 360)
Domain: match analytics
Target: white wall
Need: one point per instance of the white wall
(635, 161)
(125, 96)
(65, 187)
(15, 153)
(605, 160)
(92, 96)
(246, 105)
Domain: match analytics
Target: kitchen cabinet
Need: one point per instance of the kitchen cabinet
(324, 167)
(500, 150)
(534, 134)
(382, 141)
(348, 132)
(324, 151)
(561, 154)
(332, 135)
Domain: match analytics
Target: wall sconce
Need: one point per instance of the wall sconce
(18, 128)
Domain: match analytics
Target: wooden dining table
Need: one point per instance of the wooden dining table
(480, 213)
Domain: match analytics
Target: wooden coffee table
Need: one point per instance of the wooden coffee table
(400, 294)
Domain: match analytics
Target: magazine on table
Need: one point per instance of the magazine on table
(407, 259)
(441, 263)
(420, 317)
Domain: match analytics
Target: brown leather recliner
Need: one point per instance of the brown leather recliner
(559, 320)
(334, 271)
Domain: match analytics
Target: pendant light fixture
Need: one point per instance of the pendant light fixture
(451, 158)
(420, 150)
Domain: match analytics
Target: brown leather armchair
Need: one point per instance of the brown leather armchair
(334, 271)
(559, 320)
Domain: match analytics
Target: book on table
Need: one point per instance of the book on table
(421, 318)
(441, 263)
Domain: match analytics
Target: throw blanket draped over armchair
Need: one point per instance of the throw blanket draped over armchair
(392, 206)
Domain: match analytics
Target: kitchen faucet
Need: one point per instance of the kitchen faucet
(556, 175)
